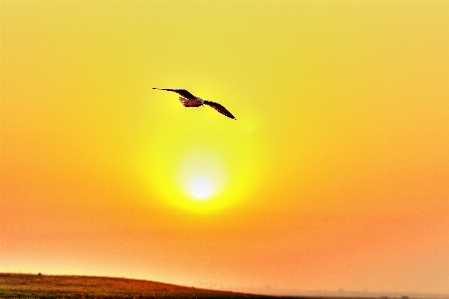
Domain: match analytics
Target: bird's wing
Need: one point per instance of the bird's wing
(181, 92)
(219, 108)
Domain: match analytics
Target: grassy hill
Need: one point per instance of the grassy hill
(51, 286)
(14, 285)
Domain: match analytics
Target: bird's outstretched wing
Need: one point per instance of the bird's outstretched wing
(181, 92)
(220, 109)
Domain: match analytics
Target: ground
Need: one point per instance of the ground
(51, 286)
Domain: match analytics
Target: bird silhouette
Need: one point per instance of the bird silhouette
(189, 100)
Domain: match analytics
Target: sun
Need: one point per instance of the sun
(196, 177)
(201, 188)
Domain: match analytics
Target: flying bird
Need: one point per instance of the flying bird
(189, 100)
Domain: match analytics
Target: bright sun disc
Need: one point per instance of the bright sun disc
(201, 188)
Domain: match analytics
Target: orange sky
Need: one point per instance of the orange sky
(334, 176)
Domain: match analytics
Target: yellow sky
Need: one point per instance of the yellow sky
(335, 174)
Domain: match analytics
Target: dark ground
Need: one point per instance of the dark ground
(51, 286)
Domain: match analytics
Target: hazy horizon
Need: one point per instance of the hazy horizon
(334, 175)
(268, 289)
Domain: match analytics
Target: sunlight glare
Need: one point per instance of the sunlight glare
(201, 188)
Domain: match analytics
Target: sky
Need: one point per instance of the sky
(334, 175)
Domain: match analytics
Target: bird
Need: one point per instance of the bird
(189, 100)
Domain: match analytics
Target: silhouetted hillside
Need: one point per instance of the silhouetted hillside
(51, 286)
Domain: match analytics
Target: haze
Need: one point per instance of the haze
(335, 174)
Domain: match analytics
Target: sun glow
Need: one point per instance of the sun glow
(195, 175)
(201, 188)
